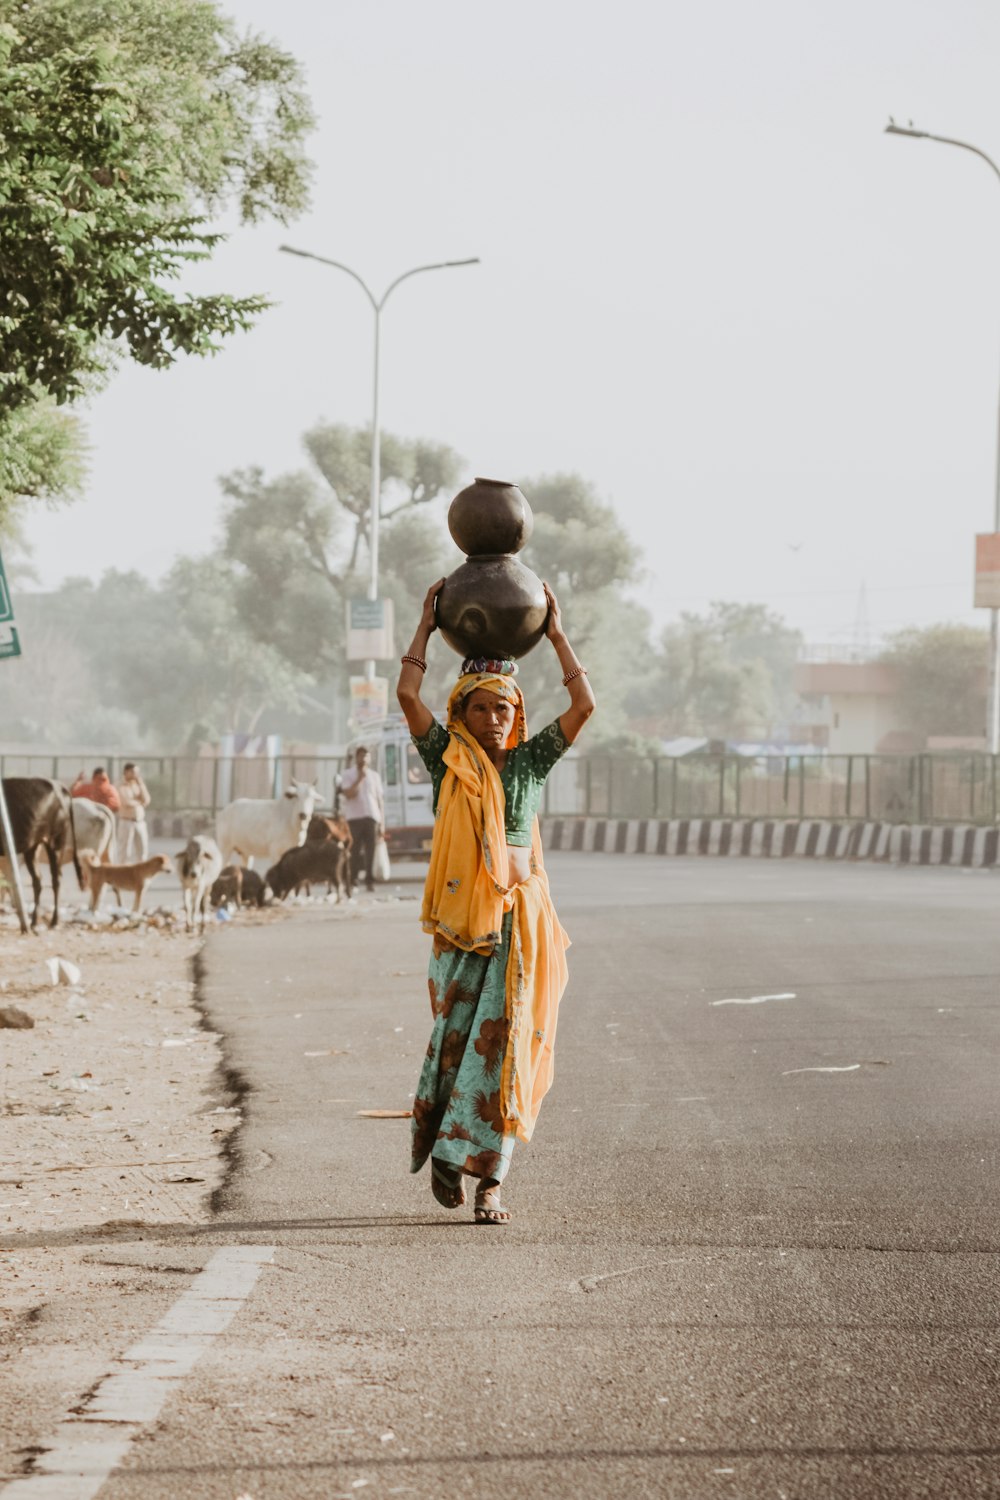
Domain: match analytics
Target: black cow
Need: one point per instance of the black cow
(329, 861)
(40, 817)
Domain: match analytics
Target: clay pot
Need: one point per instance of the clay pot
(489, 517)
(492, 606)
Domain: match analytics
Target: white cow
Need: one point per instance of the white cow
(263, 828)
(94, 828)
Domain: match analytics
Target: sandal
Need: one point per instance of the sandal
(488, 1209)
(447, 1185)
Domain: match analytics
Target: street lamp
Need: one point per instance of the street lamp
(376, 465)
(993, 710)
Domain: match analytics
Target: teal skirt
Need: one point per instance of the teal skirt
(456, 1112)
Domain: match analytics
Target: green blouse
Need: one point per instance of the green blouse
(522, 777)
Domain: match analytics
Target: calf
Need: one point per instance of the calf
(40, 818)
(199, 866)
(298, 868)
(124, 878)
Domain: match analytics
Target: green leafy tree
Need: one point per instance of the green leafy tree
(122, 122)
(299, 542)
(164, 665)
(942, 676)
(579, 546)
(725, 674)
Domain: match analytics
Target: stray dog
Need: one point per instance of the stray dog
(123, 877)
(253, 890)
(228, 889)
(238, 887)
(200, 866)
(298, 868)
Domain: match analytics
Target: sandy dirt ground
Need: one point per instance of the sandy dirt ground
(116, 1113)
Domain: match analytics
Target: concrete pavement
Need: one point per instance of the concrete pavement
(755, 1245)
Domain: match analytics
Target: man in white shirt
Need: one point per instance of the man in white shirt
(364, 809)
(134, 799)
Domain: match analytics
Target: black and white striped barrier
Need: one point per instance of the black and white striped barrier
(961, 844)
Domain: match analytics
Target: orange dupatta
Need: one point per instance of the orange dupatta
(467, 892)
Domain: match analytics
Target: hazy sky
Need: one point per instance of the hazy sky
(709, 283)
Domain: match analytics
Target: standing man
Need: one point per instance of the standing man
(364, 809)
(134, 798)
(99, 789)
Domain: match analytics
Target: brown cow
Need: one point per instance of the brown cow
(40, 819)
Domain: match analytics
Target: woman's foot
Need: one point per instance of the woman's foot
(447, 1185)
(488, 1209)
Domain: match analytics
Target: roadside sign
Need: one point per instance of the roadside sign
(369, 629)
(369, 700)
(987, 595)
(10, 644)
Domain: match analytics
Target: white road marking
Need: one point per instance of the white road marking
(79, 1455)
(850, 1068)
(754, 999)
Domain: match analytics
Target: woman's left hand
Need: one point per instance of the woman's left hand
(553, 625)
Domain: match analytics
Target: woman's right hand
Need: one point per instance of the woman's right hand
(428, 620)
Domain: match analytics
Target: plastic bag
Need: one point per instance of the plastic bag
(381, 868)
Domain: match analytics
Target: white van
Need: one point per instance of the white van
(409, 806)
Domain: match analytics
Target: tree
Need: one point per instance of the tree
(579, 546)
(942, 672)
(122, 122)
(413, 472)
(42, 457)
(161, 664)
(725, 674)
(297, 541)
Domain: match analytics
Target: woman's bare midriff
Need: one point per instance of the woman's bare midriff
(518, 863)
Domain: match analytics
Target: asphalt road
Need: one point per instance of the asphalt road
(755, 1244)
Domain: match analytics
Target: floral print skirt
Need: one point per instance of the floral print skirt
(456, 1112)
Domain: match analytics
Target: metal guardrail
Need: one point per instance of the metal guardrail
(952, 787)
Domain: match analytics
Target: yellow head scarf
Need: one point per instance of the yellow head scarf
(468, 891)
(468, 876)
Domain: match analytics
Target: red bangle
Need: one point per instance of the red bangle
(415, 661)
(571, 676)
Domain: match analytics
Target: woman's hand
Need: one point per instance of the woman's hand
(553, 625)
(428, 620)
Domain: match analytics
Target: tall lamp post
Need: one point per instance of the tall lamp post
(376, 465)
(993, 710)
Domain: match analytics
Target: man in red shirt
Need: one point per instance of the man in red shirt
(98, 789)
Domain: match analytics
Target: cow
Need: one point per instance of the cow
(40, 819)
(329, 861)
(199, 866)
(253, 827)
(94, 828)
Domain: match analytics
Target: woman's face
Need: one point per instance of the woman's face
(489, 718)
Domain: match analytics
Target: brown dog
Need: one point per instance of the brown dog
(125, 878)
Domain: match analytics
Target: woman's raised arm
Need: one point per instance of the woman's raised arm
(418, 715)
(581, 695)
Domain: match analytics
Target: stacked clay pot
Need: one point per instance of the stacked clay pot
(492, 605)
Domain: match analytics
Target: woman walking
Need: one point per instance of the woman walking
(498, 966)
